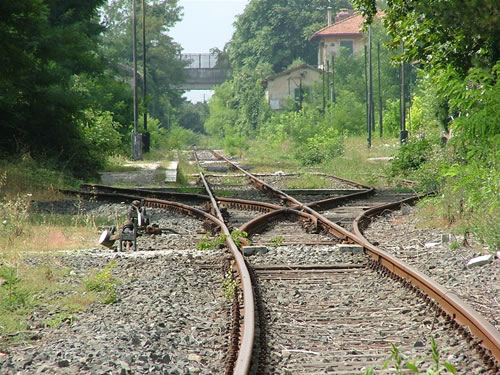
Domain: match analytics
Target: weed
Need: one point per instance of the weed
(104, 284)
(229, 285)
(207, 244)
(237, 235)
(401, 364)
(16, 297)
(59, 318)
(308, 181)
(218, 241)
(454, 245)
(277, 241)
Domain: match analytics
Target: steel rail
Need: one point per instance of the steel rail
(243, 360)
(332, 228)
(225, 201)
(321, 204)
(456, 308)
(242, 364)
(452, 306)
(254, 225)
(149, 192)
(211, 196)
(148, 202)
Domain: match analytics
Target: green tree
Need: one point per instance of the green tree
(164, 68)
(438, 33)
(193, 116)
(277, 32)
(45, 43)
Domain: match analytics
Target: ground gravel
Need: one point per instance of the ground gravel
(401, 234)
(170, 316)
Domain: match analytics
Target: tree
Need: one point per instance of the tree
(164, 68)
(277, 32)
(437, 33)
(193, 116)
(45, 43)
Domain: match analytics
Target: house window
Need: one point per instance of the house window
(347, 44)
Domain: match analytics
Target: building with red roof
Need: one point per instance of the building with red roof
(344, 33)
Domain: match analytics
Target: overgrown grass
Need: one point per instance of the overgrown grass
(43, 284)
(354, 164)
(26, 176)
(103, 283)
(48, 287)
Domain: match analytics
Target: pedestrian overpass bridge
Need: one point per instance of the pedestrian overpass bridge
(202, 72)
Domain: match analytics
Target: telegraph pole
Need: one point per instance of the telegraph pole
(368, 127)
(146, 134)
(136, 136)
(381, 116)
(403, 137)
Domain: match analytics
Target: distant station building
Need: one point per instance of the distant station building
(344, 33)
(288, 84)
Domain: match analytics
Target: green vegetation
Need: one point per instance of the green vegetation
(402, 365)
(208, 244)
(238, 237)
(229, 285)
(49, 288)
(277, 241)
(219, 241)
(103, 283)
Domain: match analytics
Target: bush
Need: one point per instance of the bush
(320, 148)
(411, 157)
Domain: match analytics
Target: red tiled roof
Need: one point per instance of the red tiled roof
(348, 26)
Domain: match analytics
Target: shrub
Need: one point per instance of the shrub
(104, 284)
(411, 157)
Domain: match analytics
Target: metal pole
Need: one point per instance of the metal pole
(370, 87)
(146, 134)
(372, 107)
(334, 99)
(328, 80)
(136, 137)
(402, 102)
(368, 125)
(381, 126)
(366, 91)
(324, 99)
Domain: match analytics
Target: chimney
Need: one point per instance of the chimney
(343, 13)
(329, 15)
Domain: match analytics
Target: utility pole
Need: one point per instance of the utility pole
(403, 137)
(146, 133)
(334, 99)
(368, 127)
(136, 136)
(328, 89)
(372, 107)
(381, 116)
(324, 96)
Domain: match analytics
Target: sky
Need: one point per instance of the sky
(206, 24)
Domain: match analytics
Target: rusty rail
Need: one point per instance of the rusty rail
(461, 312)
(243, 360)
(452, 306)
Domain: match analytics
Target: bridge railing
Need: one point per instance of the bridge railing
(199, 60)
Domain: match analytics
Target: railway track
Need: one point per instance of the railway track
(432, 309)
(321, 312)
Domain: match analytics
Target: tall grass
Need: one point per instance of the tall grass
(353, 164)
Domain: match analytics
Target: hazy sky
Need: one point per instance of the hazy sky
(206, 24)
